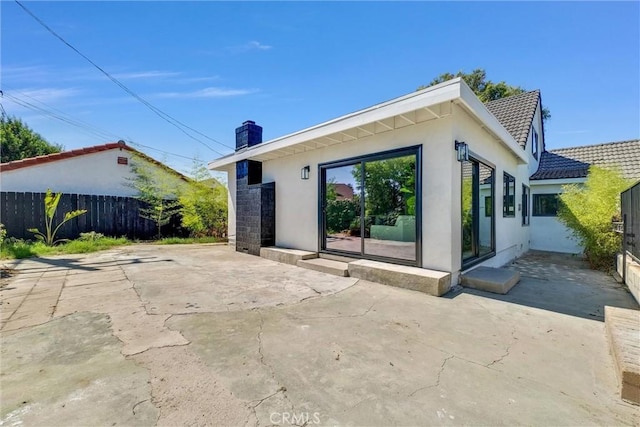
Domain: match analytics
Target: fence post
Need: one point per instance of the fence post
(624, 248)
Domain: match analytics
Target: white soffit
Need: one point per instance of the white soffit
(431, 103)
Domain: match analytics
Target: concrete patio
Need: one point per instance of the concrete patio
(196, 335)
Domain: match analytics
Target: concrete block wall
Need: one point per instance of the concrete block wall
(632, 278)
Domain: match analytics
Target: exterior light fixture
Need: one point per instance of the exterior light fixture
(304, 172)
(463, 151)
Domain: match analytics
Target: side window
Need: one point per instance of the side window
(534, 143)
(509, 196)
(545, 204)
(525, 205)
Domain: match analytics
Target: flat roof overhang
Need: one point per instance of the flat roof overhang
(432, 103)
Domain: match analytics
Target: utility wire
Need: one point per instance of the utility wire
(166, 117)
(60, 115)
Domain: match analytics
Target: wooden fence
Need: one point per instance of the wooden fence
(109, 215)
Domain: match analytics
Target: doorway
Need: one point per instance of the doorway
(370, 206)
(478, 212)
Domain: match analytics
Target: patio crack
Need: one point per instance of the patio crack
(507, 350)
(139, 403)
(343, 316)
(437, 383)
(281, 388)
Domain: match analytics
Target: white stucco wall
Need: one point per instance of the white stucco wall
(96, 174)
(231, 201)
(512, 238)
(297, 199)
(548, 233)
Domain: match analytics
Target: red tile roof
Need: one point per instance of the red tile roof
(32, 161)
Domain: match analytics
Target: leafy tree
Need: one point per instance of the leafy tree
(18, 141)
(389, 188)
(340, 213)
(204, 204)
(485, 89)
(51, 201)
(588, 210)
(158, 189)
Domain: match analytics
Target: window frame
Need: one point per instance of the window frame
(476, 257)
(508, 199)
(536, 205)
(416, 151)
(534, 143)
(488, 206)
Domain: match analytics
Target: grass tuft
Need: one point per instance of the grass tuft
(188, 240)
(18, 249)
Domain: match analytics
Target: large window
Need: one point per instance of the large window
(509, 195)
(478, 237)
(370, 206)
(525, 205)
(545, 204)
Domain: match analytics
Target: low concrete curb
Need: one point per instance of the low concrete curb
(623, 331)
(431, 282)
(496, 280)
(286, 256)
(328, 266)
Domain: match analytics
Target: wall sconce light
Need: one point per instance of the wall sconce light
(304, 172)
(463, 151)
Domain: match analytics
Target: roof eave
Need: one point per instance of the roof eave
(434, 95)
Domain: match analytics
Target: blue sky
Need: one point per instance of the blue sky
(290, 65)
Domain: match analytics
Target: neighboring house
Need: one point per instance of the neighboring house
(406, 160)
(98, 170)
(343, 191)
(570, 166)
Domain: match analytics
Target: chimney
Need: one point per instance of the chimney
(248, 135)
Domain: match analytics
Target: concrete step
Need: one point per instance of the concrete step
(496, 280)
(418, 279)
(323, 265)
(623, 329)
(340, 258)
(286, 256)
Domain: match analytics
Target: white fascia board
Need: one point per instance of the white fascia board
(430, 96)
(558, 181)
(478, 109)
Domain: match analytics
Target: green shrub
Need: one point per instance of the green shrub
(3, 233)
(204, 204)
(91, 236)
(588, 210)
(51, 201)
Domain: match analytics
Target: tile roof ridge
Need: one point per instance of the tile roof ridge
(555, 150)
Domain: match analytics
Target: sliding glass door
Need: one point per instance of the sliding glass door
(370, 206)
(478, 213)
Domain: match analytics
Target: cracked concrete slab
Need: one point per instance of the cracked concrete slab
(374, 355)
(70, 372)
(202, 335)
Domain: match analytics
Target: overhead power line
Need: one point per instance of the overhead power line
(166, 117)
(53, 113)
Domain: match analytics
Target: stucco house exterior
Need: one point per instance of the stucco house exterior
(570, 166)
(440, 181)
(97, 170)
